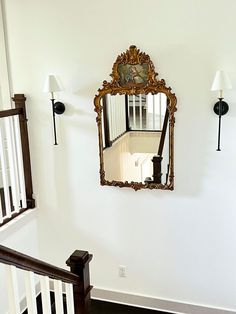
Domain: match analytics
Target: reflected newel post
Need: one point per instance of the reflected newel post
(157, 174)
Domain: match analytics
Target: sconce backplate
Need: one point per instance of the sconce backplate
(59, 107)
(224, 108)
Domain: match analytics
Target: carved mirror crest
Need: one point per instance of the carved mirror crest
(135, 119)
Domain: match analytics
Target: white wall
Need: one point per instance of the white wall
(144, 142)
(177, 245)
(5, 93)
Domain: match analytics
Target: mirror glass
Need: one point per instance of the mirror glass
(135, 117)
(132, 127)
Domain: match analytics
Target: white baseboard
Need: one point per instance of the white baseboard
(154, 303)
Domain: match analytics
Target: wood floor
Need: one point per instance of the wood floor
(101, 307)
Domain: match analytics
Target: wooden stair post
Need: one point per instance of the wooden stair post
(19, 100)
(79, 265)
(157, 169)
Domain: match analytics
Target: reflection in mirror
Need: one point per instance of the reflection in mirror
(132, 131)
(135, 118)
(146, 112)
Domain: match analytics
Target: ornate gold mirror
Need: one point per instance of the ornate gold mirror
(135, 118)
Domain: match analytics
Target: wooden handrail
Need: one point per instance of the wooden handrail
(10, 112)
(78, 276)
(163, 133)
(26, 262)
(157, 160)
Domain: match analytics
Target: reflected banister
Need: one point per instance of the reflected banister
(163, 133)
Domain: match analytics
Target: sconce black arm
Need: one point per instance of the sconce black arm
(58, 108)
(220, 108)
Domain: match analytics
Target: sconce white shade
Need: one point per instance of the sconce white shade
(51, 85)
(221, 81)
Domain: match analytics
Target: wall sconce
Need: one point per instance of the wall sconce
(51, 85)
(221, 82)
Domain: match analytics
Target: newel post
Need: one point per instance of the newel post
(79, 265)
(19, 100)
(157, 169)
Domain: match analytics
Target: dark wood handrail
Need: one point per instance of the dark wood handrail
(163, 133)
(10, 112)
(26, 262)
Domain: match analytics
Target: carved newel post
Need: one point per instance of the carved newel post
(79, 265)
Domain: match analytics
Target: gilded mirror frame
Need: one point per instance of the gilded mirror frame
(133, 56)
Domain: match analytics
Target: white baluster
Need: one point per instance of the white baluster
(149, 111)
(30, 292)
(134, 111)
(45, 292)
(163, 107)
(20, 161)
(70, 299)
(140, 112)
(58, 296)
(4, 172)
(160, 111)
(109, 116)
(103, 132)
(123, 116)
(114, 112)
(122, 106)
(120, 119)
(115, 116)
(112, 119)
(154, 112)
(129, 115)
(13, 294)
(12, 164)
(118, 115)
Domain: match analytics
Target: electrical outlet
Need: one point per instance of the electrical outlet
(122, 271)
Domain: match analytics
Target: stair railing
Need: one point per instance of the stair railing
(114, 119)
(15, 170)
(157, 159)
(73, 285)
